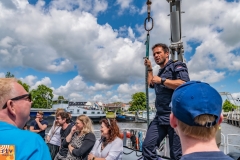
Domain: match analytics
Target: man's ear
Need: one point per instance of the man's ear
(173, 121)
(220, 119)
(11, 108)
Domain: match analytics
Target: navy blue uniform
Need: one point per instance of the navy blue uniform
(213, 155)
(160, 126)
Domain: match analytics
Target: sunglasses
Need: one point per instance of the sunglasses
(27, 97)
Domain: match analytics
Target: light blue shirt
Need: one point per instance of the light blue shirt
(28, 145)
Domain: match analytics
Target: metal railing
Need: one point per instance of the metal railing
(230, 144)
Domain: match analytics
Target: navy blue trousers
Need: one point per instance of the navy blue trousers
(155, 134)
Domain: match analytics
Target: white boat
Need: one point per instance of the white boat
(93, 111)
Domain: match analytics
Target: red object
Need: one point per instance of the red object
(137, 143)
(128, 135)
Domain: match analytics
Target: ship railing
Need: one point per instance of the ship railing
(223, 143)
(229, 144)
(163, 149)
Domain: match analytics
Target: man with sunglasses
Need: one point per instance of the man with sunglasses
(15, 105)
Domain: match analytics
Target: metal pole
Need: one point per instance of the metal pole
(148, 19)
(176, 46)
(146, 79)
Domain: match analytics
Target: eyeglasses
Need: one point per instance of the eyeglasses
(27, 97)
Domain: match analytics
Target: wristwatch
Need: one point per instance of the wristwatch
(163, 80)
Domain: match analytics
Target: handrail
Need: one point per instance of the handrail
(228, 144)
(224, 143)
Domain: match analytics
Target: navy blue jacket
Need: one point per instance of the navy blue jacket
(36, 127)
(172, 70)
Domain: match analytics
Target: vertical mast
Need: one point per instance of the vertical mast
(176, 46)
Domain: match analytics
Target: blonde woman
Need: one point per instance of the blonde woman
(54, 138)
(80, 140)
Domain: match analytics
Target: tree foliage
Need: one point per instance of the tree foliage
(138, 102)
(9, 75)
(42, 97)
(60, 98)
(25, 85)
(228, 106)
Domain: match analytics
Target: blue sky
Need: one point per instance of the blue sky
(93, 50)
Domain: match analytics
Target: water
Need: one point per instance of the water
(97, 126)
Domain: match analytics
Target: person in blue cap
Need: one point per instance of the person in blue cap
(171, 75)
(196, 116)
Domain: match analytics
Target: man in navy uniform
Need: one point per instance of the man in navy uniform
(171, 75)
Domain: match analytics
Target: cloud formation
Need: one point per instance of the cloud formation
(66, 36)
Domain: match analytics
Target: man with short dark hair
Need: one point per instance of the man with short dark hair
(171, 75)
(15, 104)
(63, 120)
(39, 125)
(196, 116)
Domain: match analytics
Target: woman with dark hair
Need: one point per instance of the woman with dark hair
(110, 146)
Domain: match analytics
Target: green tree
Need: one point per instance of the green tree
(9, 75)
(60, 98)
(25, 85)
(138, 102)
(228, 106)
(42, 97)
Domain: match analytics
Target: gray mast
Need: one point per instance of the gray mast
(176, 47)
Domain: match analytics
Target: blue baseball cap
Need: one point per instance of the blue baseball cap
(196, 98)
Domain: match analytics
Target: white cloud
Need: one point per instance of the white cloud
(76, 85)
(92, 6)
(87, 45)
(67, 36)
(30, 80)
(127, 5)
(99, 6)
(6, 42)
(124, 4)
(239, 81)
(45, 81)
(98, 97)
(76, 97)
(98, 87)
(126, 88)
(2, 75)
(131, 33)
(109, 93)
(4, 51)
(236, 97)
(209, 76)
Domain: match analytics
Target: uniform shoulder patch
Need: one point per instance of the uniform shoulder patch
(179, 67)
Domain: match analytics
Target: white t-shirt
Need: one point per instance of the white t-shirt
(55, 134)
(113, 150)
